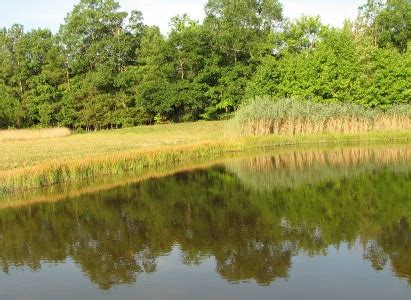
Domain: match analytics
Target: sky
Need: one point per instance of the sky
(51, 13)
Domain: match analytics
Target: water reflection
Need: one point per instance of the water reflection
(252, 216)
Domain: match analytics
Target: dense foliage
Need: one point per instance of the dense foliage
(105, 69)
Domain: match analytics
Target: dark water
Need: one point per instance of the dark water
(303, 224)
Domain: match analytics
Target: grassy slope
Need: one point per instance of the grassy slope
(29, 164)
(19, 154)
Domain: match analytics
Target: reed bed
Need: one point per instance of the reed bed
(33, 134)
(265, 115)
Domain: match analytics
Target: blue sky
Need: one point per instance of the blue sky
(51, 13)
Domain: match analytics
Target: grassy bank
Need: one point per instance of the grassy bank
(257, 168)
(36, 163)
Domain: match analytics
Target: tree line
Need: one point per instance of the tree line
(106, 68)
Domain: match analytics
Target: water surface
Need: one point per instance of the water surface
(295, 224)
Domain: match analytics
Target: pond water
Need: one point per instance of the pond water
(295, 224)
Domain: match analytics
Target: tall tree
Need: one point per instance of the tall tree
(98, 49)
(239, 25)
(387, 23)
(239, 31)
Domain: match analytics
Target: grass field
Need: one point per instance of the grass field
(34, 163)
(33, 134)
(17, 154)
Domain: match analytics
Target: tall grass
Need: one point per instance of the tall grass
(265, 115)
(33, 134)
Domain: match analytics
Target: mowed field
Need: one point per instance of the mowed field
(20, 154)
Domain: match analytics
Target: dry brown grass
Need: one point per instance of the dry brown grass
(20, 154)
(33, 134)
(402, 123)
(264, 115)
(342, 125)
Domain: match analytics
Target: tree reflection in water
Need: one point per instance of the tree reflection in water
(252, 226)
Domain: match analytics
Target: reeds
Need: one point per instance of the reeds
(264, 115)
(33, 134)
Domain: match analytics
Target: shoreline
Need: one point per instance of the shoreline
(59, 172)
(328, 156)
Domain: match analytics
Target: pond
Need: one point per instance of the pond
(300, 223)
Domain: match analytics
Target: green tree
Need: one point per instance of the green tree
(98, 49)
(9, 108)
(45, 62)
(107, 70)
(388, 23)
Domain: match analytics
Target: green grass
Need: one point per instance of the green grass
(35, 163)
(18, 154)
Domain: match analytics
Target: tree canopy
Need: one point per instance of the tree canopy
(106, 69)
